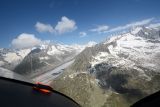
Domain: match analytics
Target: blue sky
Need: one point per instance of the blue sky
(71, 21)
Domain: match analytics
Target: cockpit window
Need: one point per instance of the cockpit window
(101, 53)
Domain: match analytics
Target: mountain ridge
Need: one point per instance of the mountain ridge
(46, 56)
(125, 66)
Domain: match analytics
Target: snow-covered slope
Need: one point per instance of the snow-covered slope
(130, 51)
(16, 56)
(136, 52)
(9, 58)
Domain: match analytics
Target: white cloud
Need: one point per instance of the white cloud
(82, 34)
(91, 43)
(25, 40)
(65, 25)
(41, 27)
(100, 29)
(154, 25)
(127, 26)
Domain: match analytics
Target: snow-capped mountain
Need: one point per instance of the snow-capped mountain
(140, 47)
(47, 54)
(126, 66)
